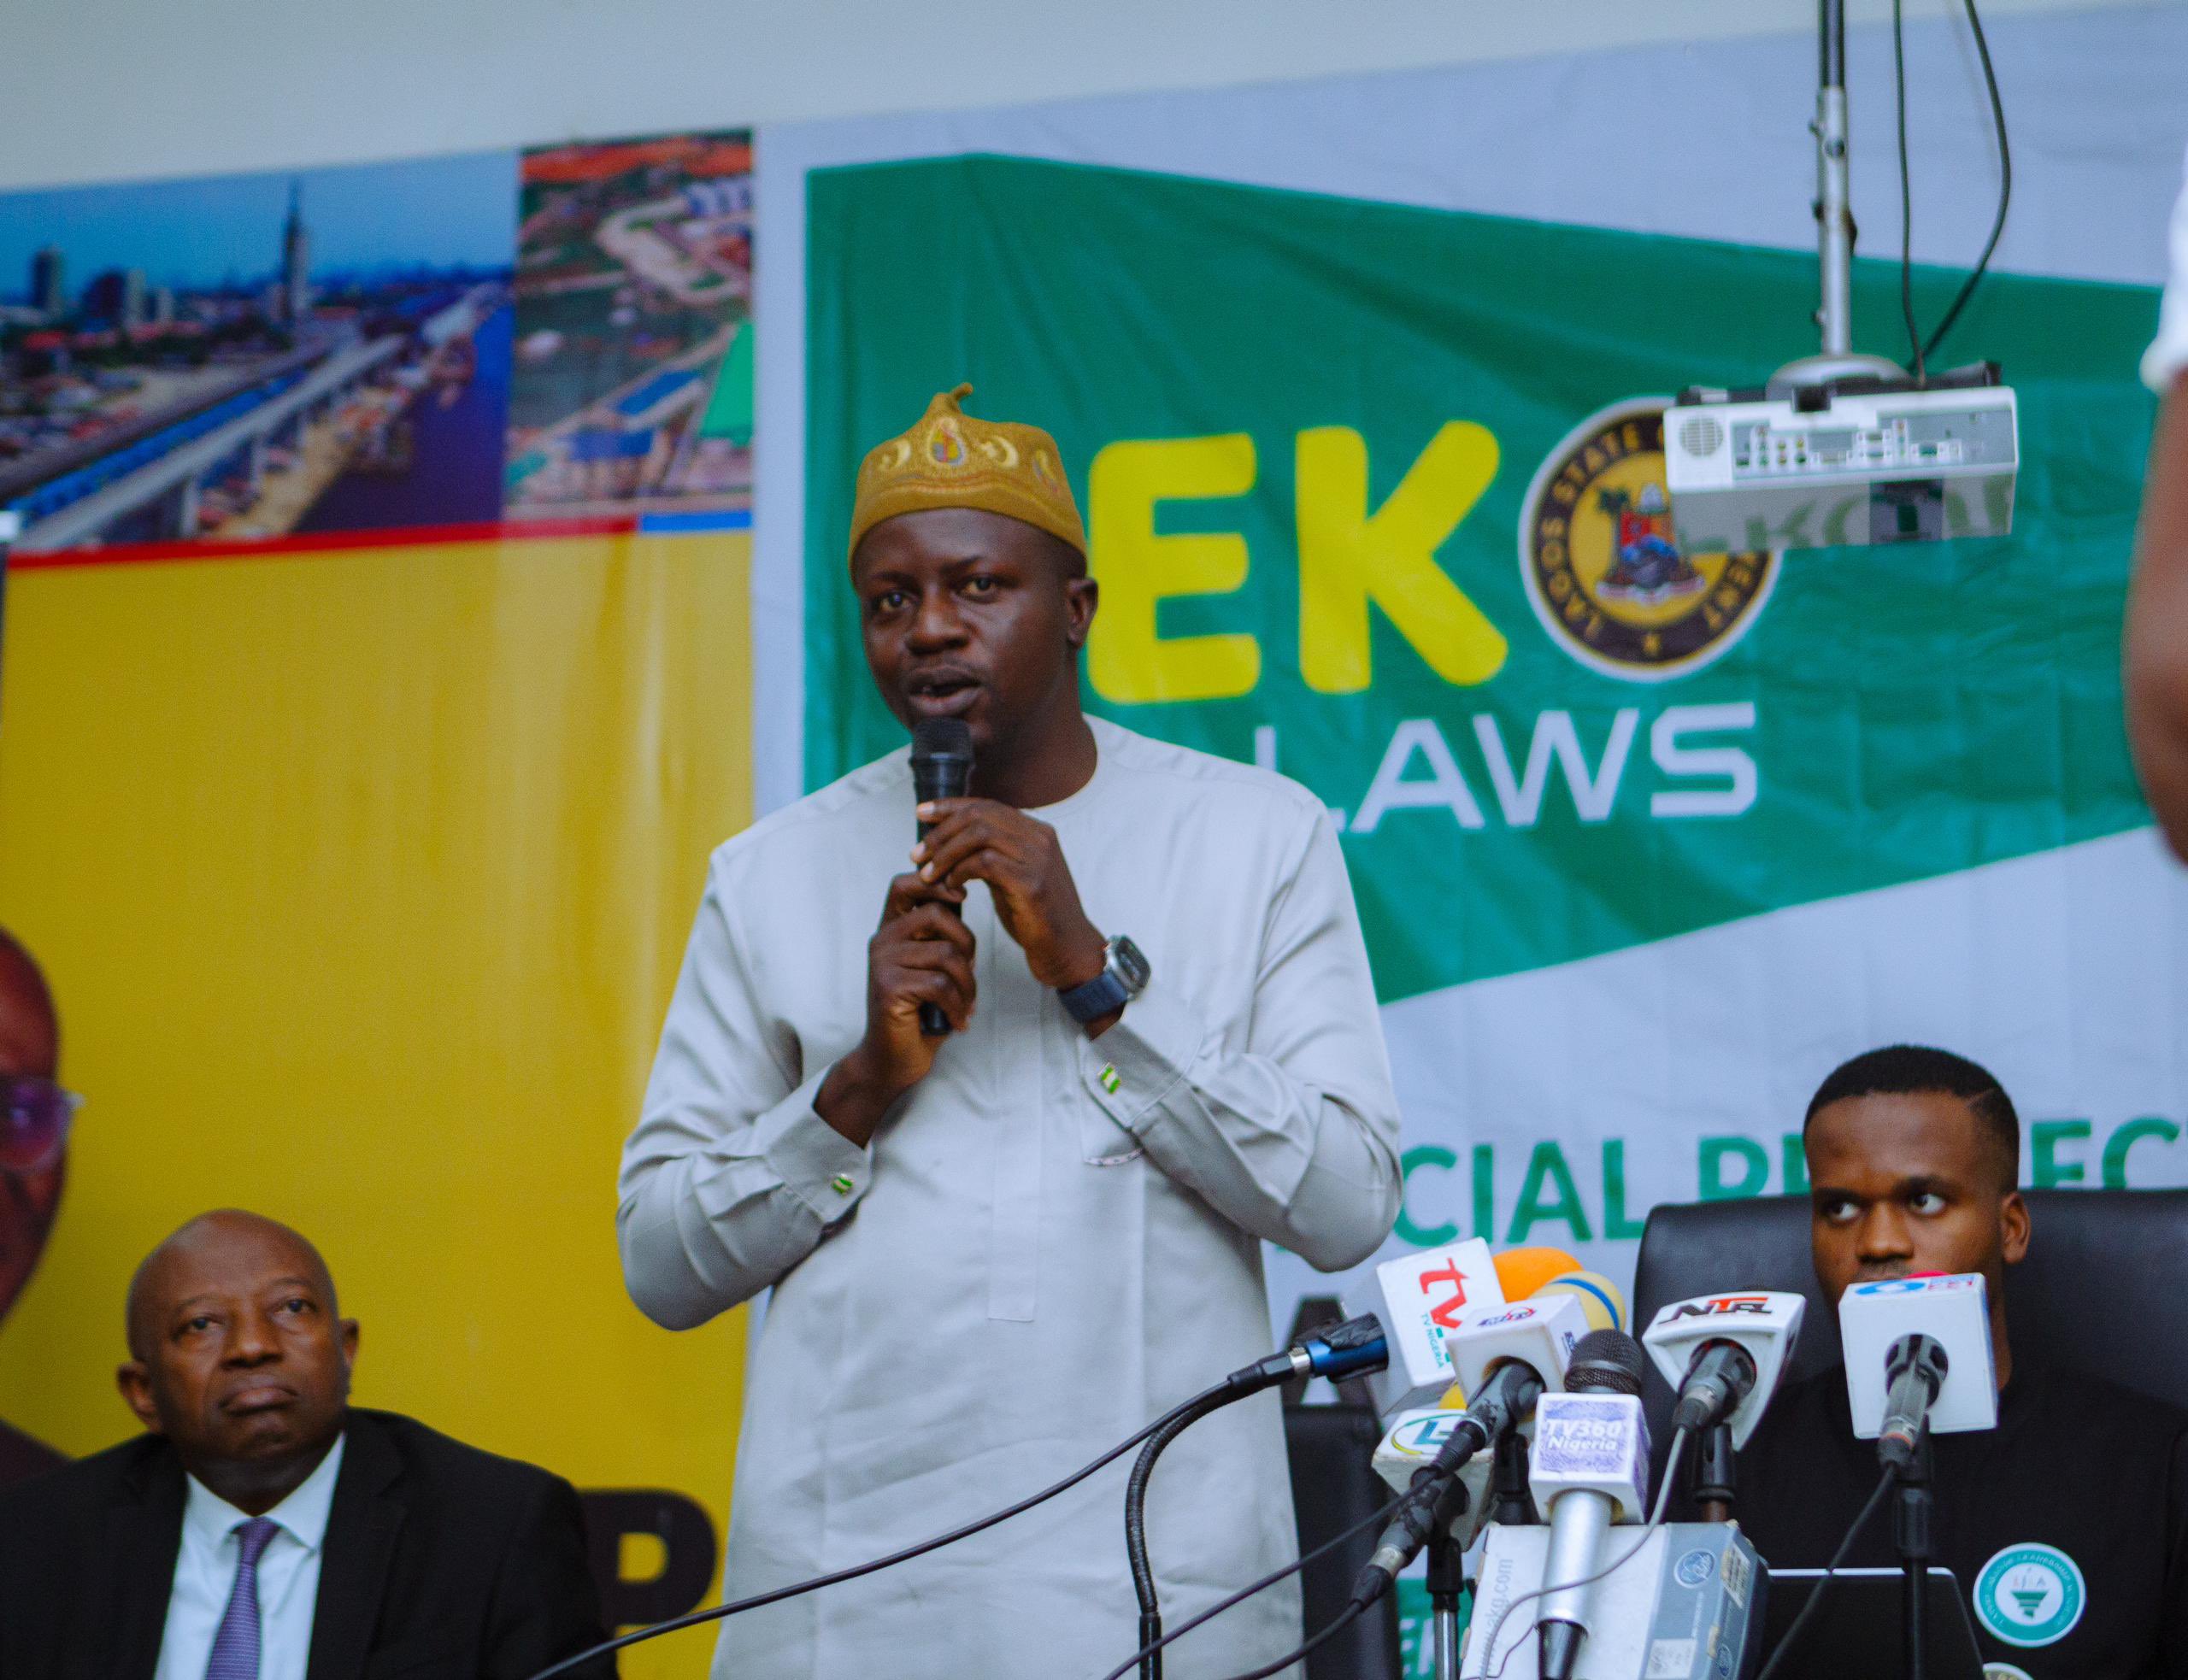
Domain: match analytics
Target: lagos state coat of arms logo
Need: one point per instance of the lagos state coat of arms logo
(1603, 564)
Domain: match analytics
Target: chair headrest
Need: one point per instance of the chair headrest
(2100, 1290)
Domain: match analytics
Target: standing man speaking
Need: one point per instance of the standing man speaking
(997, 1251)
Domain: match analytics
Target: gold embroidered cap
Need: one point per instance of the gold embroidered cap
(950, 458)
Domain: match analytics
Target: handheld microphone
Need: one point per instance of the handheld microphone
(1894, 1383)
(1590, 1463)
(942, 768)
(1725, 1354)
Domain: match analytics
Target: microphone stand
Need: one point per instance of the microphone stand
(1516, 1500)
(1715, 1485)
(1445, 1559)
(1910, 1525)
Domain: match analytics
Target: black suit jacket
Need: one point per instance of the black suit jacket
(441, 1562)
(23, 1456)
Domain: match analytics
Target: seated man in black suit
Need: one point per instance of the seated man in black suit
(2067, 1526)
(263, 1529)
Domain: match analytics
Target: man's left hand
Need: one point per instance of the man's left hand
(1021, 860)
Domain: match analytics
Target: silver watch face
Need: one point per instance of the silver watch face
(1132, 967)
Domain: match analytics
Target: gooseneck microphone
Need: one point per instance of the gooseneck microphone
(1914, 1371)
(1601, 1453)
(1352, 1348)
(942, 768)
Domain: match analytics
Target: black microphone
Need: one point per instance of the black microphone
(1721, 1376)
(1913, 1372)
(1505, 1401)
(942, 768)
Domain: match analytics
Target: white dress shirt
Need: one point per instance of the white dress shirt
(288, 1577)
(1052, 1239)
(2168, 355)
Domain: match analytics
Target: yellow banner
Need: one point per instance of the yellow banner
(362, 879)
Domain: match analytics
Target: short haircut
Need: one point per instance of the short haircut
(1917, 1069)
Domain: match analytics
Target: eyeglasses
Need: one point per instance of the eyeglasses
(34, 1116)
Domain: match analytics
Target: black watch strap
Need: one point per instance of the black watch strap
(1097, 998)
(1124, 974)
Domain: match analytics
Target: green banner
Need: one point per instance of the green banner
(1374, 496)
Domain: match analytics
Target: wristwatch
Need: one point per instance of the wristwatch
(1124, 976)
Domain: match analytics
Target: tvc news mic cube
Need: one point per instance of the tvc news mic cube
(1420, 1298)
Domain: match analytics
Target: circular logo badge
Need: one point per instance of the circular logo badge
(1603, 565)
(2030, 1594)
(1695, 1568)
(2005, 1671)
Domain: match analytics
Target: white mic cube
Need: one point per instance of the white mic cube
(1954, 1311)
(1410, 1444)
(1536, 1333)
(1595, 1441)
(1688, 1606)
(1766, 1323)
(1419, 1298)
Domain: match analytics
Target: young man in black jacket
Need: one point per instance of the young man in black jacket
(2067, 1526)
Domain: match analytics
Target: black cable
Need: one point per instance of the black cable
(2005, 183)
(1344, 1618)
(716, 1612)
(1830, 1574)
(1262, 1585)
(1906, 195)
(1142, 1574)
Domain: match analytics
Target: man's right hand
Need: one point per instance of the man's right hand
(922, 952)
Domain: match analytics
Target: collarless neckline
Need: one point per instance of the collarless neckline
(1049, 813)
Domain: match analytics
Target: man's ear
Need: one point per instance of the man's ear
(2013, 1228)
(1082, 596)
(134, 1378)
(348, 1329)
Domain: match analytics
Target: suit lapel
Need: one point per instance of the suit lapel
(362, 1524)
(144, 1536)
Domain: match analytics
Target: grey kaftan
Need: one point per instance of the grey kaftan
(1025, 1265)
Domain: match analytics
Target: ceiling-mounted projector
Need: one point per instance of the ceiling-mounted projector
(1842, 448)
(1874, 461)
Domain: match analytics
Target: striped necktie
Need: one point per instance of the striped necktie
(235, 1648)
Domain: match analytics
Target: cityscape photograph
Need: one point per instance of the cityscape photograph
(632, 379)
(255, 357)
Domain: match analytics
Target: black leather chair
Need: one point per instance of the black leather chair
(2105, 1287)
